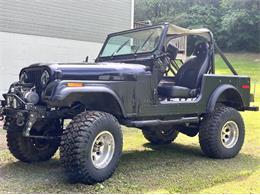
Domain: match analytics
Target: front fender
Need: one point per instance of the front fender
(90, 95)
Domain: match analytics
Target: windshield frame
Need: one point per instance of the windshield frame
(131, 55)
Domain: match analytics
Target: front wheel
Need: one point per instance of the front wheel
(222, 133)
(28, 149)
(91, 146)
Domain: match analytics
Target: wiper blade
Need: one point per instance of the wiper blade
(148, 38)
(121, 46)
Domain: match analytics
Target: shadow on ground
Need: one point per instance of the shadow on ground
(173, 168)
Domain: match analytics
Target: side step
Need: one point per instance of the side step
(162, 122)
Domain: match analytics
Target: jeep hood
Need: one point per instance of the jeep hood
(95, 71)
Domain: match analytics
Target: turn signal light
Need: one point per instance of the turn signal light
(75, 84)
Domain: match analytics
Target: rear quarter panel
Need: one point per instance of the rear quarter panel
(211, 82)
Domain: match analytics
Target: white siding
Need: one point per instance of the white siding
(18, 51)
(87, 20)
(34, 31)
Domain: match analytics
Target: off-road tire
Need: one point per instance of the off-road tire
(25, 150)
(76, 146)
(210, 133)
(156, 136)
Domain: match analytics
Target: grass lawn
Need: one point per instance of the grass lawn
(177, 168)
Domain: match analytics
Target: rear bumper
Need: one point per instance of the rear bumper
(252, 108)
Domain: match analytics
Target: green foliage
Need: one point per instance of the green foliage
(235, 23)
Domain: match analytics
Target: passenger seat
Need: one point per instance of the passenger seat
(188, 78)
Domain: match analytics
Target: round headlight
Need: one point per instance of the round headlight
(45, 78)
(23, 77)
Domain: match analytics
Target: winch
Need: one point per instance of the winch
(32, 97)
(20, 93)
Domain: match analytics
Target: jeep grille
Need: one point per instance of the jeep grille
(34, 77)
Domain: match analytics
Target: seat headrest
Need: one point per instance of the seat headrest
(201, 49)
(172, 51)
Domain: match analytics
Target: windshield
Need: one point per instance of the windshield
(132, 42)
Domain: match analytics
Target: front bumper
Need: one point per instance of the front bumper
(15, 109)
(25, 115)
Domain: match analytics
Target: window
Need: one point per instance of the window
(142, 41)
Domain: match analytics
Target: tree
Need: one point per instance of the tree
(235, 23)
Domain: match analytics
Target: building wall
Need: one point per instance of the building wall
(85, 20)
(34, 31)
(19, 50)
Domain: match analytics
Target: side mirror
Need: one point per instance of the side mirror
(86, 59)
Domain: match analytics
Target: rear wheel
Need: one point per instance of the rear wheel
(158, 137)
(222, 133)
(28, 149)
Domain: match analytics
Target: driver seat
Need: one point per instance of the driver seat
(189, 76)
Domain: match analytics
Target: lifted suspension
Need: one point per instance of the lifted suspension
(29, 114)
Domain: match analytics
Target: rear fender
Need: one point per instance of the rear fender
(226, 94)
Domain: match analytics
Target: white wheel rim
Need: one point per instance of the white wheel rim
(102, 149)
(229, 134)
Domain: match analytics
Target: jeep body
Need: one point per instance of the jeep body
(126, 81)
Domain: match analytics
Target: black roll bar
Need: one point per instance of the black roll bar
(225, 59)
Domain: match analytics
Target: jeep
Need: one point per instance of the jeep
(138, 80)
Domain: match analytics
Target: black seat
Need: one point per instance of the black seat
(189, 76)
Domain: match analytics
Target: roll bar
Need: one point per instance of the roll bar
(225, 59)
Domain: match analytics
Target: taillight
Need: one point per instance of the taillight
(245, 86)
